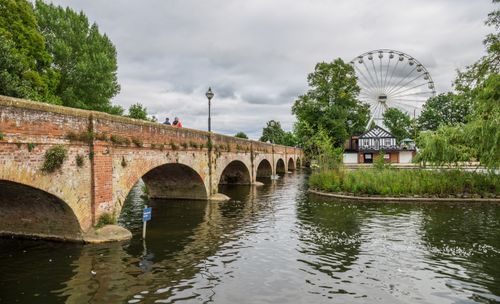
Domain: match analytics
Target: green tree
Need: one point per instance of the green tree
(273, 132)
(241, 135)
(331, 103)
(399, 123)
(444, 109)
(289, 139)
(138, 111)
(479, 138)
(25, 64)
(84, 58)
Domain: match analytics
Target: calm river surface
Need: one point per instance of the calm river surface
(270, 244)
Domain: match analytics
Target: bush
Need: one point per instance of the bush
(54, 158)
(1, 136)
(393, 182)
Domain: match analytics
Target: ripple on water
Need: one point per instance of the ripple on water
(271, 244)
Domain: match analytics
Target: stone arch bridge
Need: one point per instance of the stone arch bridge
(105, 157)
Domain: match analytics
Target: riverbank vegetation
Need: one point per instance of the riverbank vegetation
(404, 182)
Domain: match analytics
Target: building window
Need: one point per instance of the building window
(387, 142)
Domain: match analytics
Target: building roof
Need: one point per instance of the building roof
(376, 132)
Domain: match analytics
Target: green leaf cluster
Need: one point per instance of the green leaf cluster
(478, 138)
(399, 123)
(84, 58)
(241, 135)
(330, 104)
(25, 63)
(274, 133)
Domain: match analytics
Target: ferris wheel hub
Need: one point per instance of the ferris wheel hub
(382, 98)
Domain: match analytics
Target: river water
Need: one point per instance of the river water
(270, 244)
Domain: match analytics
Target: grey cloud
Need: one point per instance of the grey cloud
(256, 54)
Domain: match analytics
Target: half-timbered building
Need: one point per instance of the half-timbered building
(365, 147)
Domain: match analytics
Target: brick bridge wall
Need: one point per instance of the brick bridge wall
(117, 152)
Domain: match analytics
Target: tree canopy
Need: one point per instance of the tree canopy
(331, 104)
(25, 63)
(399, 123)
(84, 58)
(138, 111)
(273, 133)
(444, 109)
(241, 135)
(478, 138)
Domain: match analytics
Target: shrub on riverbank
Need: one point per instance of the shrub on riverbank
(393, 182)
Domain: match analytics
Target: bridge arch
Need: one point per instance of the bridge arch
(174, 180)
(264, 169)
(280, 167)
(291, 164)
(236, 172)
(32, 212)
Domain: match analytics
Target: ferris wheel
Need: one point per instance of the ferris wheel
(392, 79)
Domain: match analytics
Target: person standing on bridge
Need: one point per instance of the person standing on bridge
(167, 122)
(177, 123)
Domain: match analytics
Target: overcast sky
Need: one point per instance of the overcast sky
(256, 54)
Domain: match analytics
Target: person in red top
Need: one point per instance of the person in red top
(177, 123)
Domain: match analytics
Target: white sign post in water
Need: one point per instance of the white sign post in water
(146, 216)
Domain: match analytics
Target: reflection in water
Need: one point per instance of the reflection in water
(269, 244)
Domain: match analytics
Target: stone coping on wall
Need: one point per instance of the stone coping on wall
(388, 199)
(41, 106)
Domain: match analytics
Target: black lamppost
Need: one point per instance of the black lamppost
(209, 95)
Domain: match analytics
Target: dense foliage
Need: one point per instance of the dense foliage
(330, 104)
(25, 63)
(84, 58)
(273, 133)
(138, 111)
(400, 124)
(392, 182)
(444, 109)
(241, 135)
(52, 54)
(479, 138)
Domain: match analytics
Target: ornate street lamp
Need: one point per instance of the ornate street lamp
(209, 95)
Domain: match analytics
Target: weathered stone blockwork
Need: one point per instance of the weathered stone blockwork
(117, 152)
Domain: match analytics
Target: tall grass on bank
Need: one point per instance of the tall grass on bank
(393, 182)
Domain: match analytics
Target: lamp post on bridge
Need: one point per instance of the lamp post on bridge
(209, 95)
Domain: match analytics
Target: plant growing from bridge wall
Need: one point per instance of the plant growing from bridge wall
(54, 158)
(79, 160)
(1, 135)
(161, 147)
(31, 146)
(173, 146)
(192, 144)
(105, 219)
(119, 140)
(184, 145)
(137, 142)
